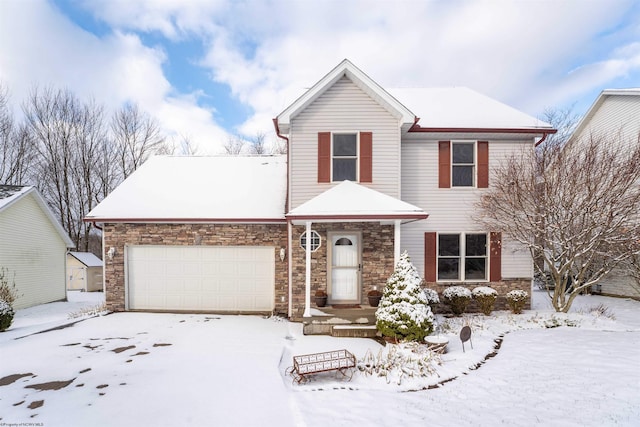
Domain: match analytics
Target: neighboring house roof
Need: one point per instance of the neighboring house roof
(351, 201)
(199, 189)
(360, 79)
(463, 108)
(10, 194)
(87, 258)
(586, 119)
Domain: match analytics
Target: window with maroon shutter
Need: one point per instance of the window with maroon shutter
(444, 164)
(366, 157)
(483, 164)
(324, 156)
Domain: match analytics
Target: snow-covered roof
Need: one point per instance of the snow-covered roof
(351, 201)
(9, 194)
(199, 189)
(87, 258)
(463, 108)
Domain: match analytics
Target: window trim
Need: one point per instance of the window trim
(314, 235)
(462, 257)
(356, 157)
(474, 174)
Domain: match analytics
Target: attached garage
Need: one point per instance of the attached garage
(201, 278)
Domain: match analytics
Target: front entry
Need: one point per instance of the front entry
(345, 265)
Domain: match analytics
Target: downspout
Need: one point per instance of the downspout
(544, 136)
(289, 226)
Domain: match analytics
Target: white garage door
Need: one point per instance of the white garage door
(201, 278)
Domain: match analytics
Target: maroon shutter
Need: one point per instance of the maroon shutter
(483, 164)
(444, 164)
(324, 156)
(495, 257)
(430, 257)
(366, 157)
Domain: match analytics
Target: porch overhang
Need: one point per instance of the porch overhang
(352, 202)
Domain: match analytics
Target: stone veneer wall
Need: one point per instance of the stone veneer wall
(120, 234)
(377, 259)
(501, 287)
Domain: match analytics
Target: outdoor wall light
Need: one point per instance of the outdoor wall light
(282, 253)
(111, 252)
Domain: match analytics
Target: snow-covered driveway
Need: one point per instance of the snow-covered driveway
(148, 369)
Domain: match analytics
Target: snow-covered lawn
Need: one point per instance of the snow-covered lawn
(131, 369)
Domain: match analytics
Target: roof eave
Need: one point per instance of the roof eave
(106, 220)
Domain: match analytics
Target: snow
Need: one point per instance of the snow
(131, 369)
(200, 188)
(351, 199)
(461, 107)
(87, 258)
(10, 193)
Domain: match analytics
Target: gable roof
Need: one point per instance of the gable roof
(199, 189)
(360, 79)
(454, 109)
(351, 201)
(10, 194)
(87, 258)
(602, 97)
(464, 108)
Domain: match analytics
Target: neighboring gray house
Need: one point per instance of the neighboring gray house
(84, 272)
(615, 115)
(370, 172)
(33, 246)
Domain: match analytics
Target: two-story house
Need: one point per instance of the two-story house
(369, 173)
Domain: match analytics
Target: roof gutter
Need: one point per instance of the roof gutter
(544, 136)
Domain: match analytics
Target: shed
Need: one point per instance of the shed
(84, 272)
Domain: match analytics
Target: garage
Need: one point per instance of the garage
(200, 278)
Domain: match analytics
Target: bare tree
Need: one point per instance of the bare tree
(16, 147)
(575, 206)
(187, 146)
(279, 146)
(258, 144)
(137, 136)
(233, 146)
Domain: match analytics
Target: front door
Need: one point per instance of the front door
(345, 268)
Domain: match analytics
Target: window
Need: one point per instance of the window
(345, 157)
(315, 241)
(462, 164)
(462, 257)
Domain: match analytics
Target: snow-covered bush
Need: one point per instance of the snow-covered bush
(404, 312)
(8, 292)
(458, 298)
(486, 298)
(517, 300)
(6, 315)
(396, 362)
(432, 297)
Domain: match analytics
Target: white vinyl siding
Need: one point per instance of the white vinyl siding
(201, 278)
(619, 282)
(618, 115)
(32, 249)
(343, 108)
(450, 210)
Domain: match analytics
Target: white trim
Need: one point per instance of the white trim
(474, 175)
(357, 156)
(307, 279)
(312, 234)
(396, 242)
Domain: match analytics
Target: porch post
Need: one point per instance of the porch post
(307, 279)
(396, 243)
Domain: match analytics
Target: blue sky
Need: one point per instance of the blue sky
(208, 69)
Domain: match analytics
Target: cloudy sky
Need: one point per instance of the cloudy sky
(210, 68)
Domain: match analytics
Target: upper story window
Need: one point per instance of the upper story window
(463, 164)
(462, 257)
(344, 158)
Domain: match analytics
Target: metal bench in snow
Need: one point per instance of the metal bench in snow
(340, 361)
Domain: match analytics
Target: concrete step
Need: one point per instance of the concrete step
(354, 331)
